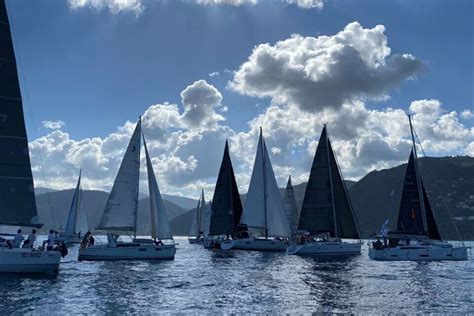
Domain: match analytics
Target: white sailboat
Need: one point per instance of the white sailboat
(417, 237)
(17, 197)
(327, 215)
(198, 226)
(76, 221)
(120, 215)
(263, 216)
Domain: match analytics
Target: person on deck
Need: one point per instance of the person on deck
(51, 238)
(18, 239)
(30, 241)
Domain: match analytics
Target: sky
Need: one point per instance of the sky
(203, 71)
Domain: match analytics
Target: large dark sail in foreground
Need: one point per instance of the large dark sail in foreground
(326, 205)
(226, 206)
(410, 217)
(17, 199)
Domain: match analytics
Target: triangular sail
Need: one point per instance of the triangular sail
(17, 197)
(194, 225)
(202, 215)
(121, 209)
(326, 205)
(160, 226)
(226, 206)
(70, 228)
(289, 202)
(410, 217)
(264, 209)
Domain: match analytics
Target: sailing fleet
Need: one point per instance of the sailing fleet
(267, 221)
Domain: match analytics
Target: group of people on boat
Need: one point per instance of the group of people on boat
(19, 240)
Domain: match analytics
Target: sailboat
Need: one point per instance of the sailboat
(17, 196)
(289, 202)
(197, 228)
(226, 207)
(121, 213)
(264, 223)
(76, 220)
(327, 214)
(417, 237)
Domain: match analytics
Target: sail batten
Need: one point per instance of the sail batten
(121, 208)
(226, 209)
(17, 198)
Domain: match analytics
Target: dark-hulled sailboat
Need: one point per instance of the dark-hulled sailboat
(226, 207)
(17, 196)
(417, 237)
(327, 214)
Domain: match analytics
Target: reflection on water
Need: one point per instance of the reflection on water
(202, 280)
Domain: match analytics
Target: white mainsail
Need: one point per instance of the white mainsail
(160, 226)
(70, 228)
(120, 212)
(263, 206)
(195, 225)
(289, 202)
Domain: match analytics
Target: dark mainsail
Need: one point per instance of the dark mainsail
(326, 205)
(410, 217)
(226, 208)
(17, 198)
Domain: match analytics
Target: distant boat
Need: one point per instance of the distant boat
(76, 221)
(326, 214)
(198, 226)
(120, 214)
(17, 197)
(417, 237)
(226, 207)
(264, 225)
(291, 209)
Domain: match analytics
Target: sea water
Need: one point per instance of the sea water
(210, 281)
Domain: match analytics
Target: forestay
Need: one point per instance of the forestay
(121, 208)
(17, 198)
(160, 227)
(263, 208)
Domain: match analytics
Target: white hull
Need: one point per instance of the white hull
(24, 260)
(257, 244)
(419, 253)
(128, 251)
(327, 248)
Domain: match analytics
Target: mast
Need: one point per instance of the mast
(135, 211)
(418, 180)
(330, 179)
(265, 195)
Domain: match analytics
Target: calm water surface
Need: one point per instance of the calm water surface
(200, 281)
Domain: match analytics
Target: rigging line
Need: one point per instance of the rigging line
(30, 110)
(445, 204)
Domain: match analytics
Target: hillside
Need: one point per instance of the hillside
(449, 182)
(53, 208)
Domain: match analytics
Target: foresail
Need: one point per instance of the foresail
(410, 219)
(291, 209)
(160, 226)
(433, 231)
(226, 206)
(17, 198)
(194, 231)
(73, 210)
(120, 210)
(277, 222)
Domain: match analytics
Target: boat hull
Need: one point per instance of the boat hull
(256, 244)
(28, 261)
(194, 240)
(127, 252)
(325, 248)
(419, 253)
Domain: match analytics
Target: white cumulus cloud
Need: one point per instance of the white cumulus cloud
(114, 6)
(53, 124)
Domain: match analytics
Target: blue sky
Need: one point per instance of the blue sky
(95, 69)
